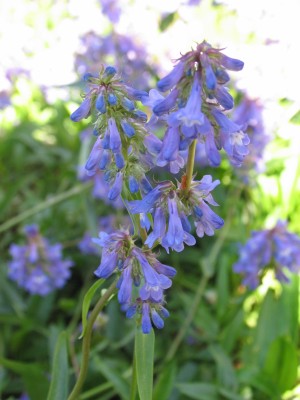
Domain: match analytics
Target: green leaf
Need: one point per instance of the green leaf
(60, 373)
(296, 118)
(281, 363)
(165, 382)
(109, 370)
(167, 21)
(86, 303)
(35, 381)
(199, 391)
(144, 358)
(225, 372)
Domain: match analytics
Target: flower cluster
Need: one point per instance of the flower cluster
(126, 149)
(249, 112)
(276, 249)
(171, 206)
(125, 52)
(119, 149)
(196, 107)
(106, 223)
(143, 278)
(38, 267)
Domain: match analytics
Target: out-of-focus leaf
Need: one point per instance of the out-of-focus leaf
(165, 382)
(199, 391)
(144, 358)
(60, 372)
(281, 363)
(109, 370)
(167, 20)
(295, 119)
(34, 378)
(225, 372)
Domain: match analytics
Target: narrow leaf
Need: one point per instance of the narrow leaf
(144, 358)
(86, 303)
(165, 382)
(59, 376)
(199, 391)
(281, 363)
(111, 373)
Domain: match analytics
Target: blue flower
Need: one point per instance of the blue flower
(148, 202)
(38, 267)
(115, 139)
(231, 63)
(166, 104)
(176, 235)
(116, 188)
(83, 111)
(276, 249)
(191, 114)
(100, 103)
(170, 80)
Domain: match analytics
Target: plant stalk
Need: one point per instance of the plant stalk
(86, 342)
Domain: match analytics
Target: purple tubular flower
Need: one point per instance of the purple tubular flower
(191, 114)
(108, 264)
(116, 188)
(170, 80)
(112, 99)
(145, 222)
(128, 104)
(115, 139)
(170, 146)
(224, 98)
(159, 227)
(155, 283)
(133, 184)
(136, 94)
(153, 143)
(210, 78)
(164, 269)
(222, 76)
(100, 103)
(119, 159)
(110, 71)
(94, 158)
(82, 111)
(125, 285)
(105, 159)
(140, 115)
(176, 235)
(146, 321)
(206, 220)
(167, 104)
(157, 319)
(148, 202)
(127, 129)
(231, 63)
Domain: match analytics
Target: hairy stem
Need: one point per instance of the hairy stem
(86, 342)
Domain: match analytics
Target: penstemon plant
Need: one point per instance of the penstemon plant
(190, 106)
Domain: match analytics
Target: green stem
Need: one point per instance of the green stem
(188, 320)
(190, 165)
(86, 342)
(44, 205)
